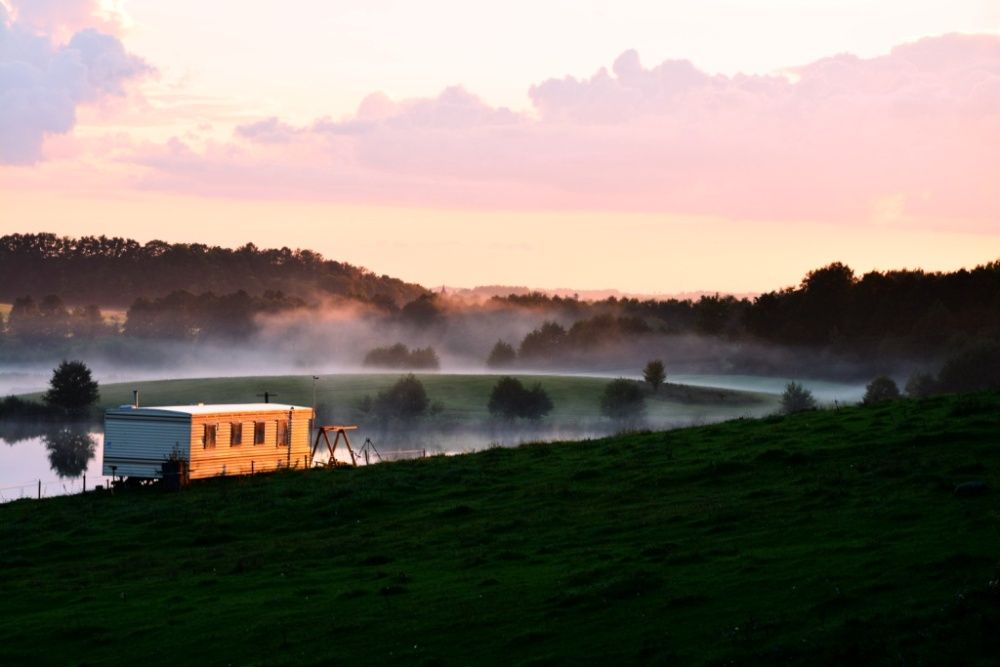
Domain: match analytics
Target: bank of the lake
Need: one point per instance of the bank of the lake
(463, 425)
(823, 538)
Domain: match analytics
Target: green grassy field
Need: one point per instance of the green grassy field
(824, 538)
(464, 397)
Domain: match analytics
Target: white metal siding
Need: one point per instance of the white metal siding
(137, 445)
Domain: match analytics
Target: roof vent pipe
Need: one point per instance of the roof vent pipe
(135, 398)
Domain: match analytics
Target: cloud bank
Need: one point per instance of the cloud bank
(43, 83)
(904, 139)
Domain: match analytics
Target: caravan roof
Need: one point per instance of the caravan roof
(209, 409)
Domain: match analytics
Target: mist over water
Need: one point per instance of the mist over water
(336, 338)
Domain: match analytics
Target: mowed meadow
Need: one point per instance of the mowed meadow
(463, 397)
(864, 534)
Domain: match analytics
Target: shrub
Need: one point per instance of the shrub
(796, 399)
(502, 355)
(881, 389)
(623, 400)
(406, 399)
(510, 399)
(655, 374)
(921, 385)
(974, 369)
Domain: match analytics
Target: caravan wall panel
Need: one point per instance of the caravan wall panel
(137, 446)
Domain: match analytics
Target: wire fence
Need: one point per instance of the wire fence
(38, 489)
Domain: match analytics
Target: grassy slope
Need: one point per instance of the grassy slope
(464, 396)
(821, 538)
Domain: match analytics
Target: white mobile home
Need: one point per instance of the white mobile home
(213, 439)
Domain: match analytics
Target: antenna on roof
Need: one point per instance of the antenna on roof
(267, 396)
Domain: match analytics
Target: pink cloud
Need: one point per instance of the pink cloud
(62, 18)
(42, 83)
(907, 138)
(269, 130)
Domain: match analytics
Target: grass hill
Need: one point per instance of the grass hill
(464, 397)
(823, 538)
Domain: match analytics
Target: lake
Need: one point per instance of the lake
(825, 391)
(59, 458)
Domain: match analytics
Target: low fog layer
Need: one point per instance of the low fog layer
(336, 339)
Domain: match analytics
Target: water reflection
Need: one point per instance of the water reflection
(70, 450)
(47, 458)
(13, 431)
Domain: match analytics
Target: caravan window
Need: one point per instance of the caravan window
(258, 433)
(208, 436)
(235, 434)
(283, 434)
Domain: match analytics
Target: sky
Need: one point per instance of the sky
(652, 147)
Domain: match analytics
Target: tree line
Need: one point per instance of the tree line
(552, 341)
(180, 315)
(904, 313)
(910, 312)
(115, 271)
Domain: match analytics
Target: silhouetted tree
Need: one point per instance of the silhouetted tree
(623, 400)
(404, 400)
(655, 374)
(423, 311)
(510, 399)
(88, 322)
(400, 356)
(23, 319)
(72, 388)
(796, 399)
(53, 318)
(502, 355)
(602, 330)
(921, 385)
(973, 369)
(881, 389)
(424, 358)
(544, 342)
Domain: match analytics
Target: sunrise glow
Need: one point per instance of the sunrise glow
(467, 151)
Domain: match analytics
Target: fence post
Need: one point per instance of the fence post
(39, 489)
(84, 482)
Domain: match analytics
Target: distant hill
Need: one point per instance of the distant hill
(486, 292)
(113, 271)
